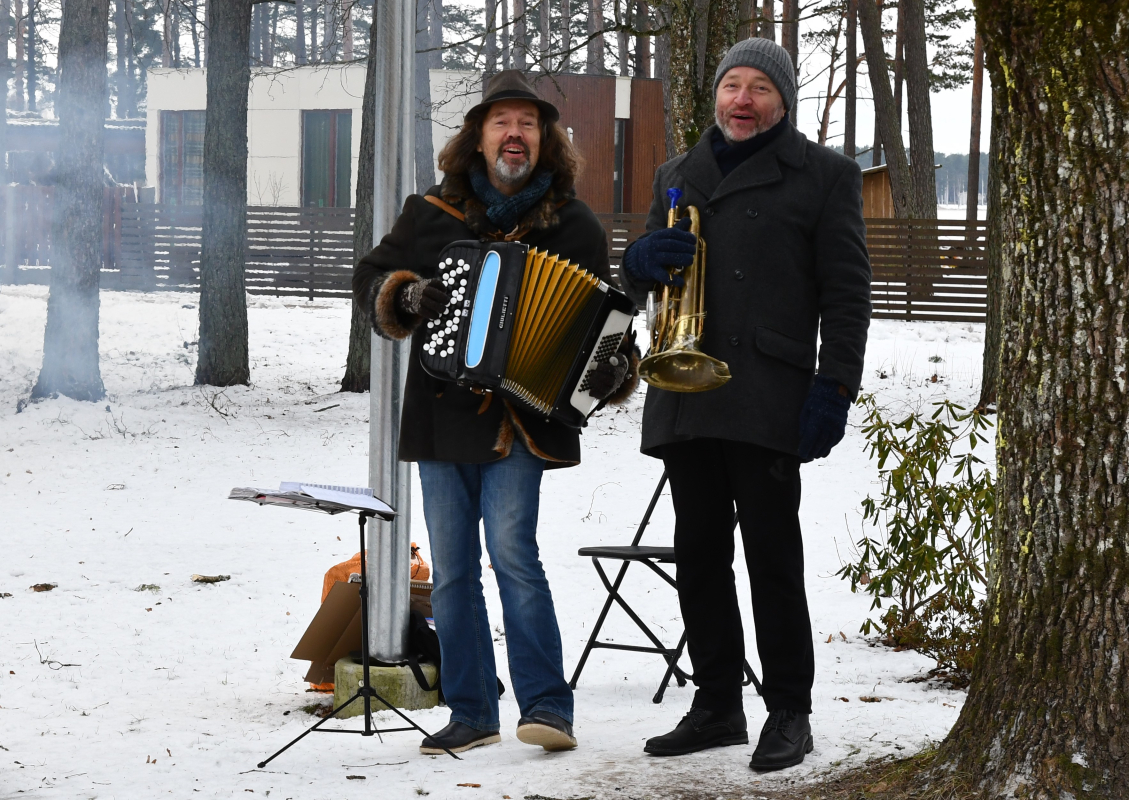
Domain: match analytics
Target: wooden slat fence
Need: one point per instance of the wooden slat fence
(922, 269)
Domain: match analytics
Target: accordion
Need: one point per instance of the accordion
(525, 324)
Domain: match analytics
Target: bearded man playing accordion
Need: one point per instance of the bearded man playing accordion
(509, 174)
(786, 263)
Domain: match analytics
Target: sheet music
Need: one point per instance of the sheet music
(310, 495)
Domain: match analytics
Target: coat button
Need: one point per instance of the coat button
(733, 340)
(738, 274)
(709, 212)
(750, 213)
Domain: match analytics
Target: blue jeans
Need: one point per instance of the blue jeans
(505, 495)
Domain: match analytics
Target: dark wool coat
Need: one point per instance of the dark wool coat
(786, 261)
(442, 421)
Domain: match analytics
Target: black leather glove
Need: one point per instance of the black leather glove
(650, 258)
(607, 376)
(823, 419)
(423, 298)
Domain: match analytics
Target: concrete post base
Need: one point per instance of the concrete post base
(396, 684)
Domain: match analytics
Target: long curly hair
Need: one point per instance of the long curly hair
(557, 153)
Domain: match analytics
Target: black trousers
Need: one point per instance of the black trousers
(707, 477)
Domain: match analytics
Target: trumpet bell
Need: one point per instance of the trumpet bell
(684, 371)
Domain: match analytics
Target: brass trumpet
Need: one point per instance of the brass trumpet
(676, 362)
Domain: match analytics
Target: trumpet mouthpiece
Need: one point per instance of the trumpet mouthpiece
(673, 193)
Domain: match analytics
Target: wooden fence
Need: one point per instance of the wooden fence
(922, 269)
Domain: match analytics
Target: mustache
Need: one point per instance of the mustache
(514, 143)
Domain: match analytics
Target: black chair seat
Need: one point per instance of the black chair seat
(664, 555)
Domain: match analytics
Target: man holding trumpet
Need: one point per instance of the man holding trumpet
(786, 268)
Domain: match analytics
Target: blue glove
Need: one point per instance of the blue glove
(650, 258)
(823, 419)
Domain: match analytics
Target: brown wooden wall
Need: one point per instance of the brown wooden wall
(645, 145)
(587, 105)
(877, 197)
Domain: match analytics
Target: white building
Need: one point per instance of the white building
(303, 131)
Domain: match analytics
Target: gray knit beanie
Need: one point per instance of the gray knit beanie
(767, 56)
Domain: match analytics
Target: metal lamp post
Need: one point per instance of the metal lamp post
(389, 552)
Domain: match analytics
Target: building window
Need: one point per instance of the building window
(326, 158)
(182, 158)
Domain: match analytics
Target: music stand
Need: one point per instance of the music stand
(364, 506)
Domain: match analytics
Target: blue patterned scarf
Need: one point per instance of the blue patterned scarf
(506, 212)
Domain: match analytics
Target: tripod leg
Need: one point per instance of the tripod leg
(409, 720)
(311, 729)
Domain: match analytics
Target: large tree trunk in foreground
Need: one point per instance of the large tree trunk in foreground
(701, 33)
(223, 359)
(887, 126)
(424, 149)
(360, 334)
(994, 236)
(70, 342)
(1047, 714)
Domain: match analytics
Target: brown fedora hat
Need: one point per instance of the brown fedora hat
(512, 84)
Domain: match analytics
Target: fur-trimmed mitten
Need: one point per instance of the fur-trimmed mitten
(423, 298)
(607, 376)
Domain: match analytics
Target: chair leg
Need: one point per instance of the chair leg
(671, 669)
(752, 678)
(599, 621)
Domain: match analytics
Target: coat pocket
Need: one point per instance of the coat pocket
(793, 351)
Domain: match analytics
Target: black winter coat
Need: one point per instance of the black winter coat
(786, 261)
(443, 421)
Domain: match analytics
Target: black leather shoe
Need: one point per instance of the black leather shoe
(546, 729)
(785, 740)
(701, 729)
(457, 737)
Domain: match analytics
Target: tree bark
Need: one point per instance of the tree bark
(994, 236)
(747, 23)
(223, 356)
(507, 47)
(196, 33)
(300, 31)
(5, 73)
(519, 46)
(850, 122)
(492, 36)
(70, 341)
(662, 73)
(900, 61)
(315, 54)
(768, 20)
(1047, 713)
(21, 61)
(887, 125)
(920, 109)
(119, 53)
(435, 29)
(166, 33)
(356, 378)
(972, 196)
(424, 149)
(32, 78)
(595, 62)
(707, 28)
(566, 34)
(790, 41)
(624, 57)
(642, 43)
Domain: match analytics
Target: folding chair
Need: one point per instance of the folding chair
(651, 557)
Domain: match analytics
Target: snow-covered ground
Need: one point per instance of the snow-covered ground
(108, 691)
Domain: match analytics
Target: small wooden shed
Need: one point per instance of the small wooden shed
(877, 197)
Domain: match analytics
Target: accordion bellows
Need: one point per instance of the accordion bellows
(525, 323)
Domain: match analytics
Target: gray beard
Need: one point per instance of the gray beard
(757, 131)
(511, 175)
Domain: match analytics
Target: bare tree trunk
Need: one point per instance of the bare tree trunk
(544, 41)
(5, 73)
(972, 196)
(768, 20)
(70, 341)
(507, 45)
(435, 29)
(994, 258)
(624, 57)
(747, 23)
(356, 378)
(223, 359)
(300, 31)
(519, 45)
(642, 43)
(1047, 713)
(662, 73)
(887, 126)
(900, 61)
(566, 35)
(920, 112)
(315, 52)
(196, 33)
(850, 122)
(705, 31)
(832, 92)
(491, 36)
(347, 30)
(130, 64)
(119, 54)
(595, 63)
(21, 62)
(32, 79)
(166, 33)
(176, 35)
(207, 27)
(424, 149)
(790, 41)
